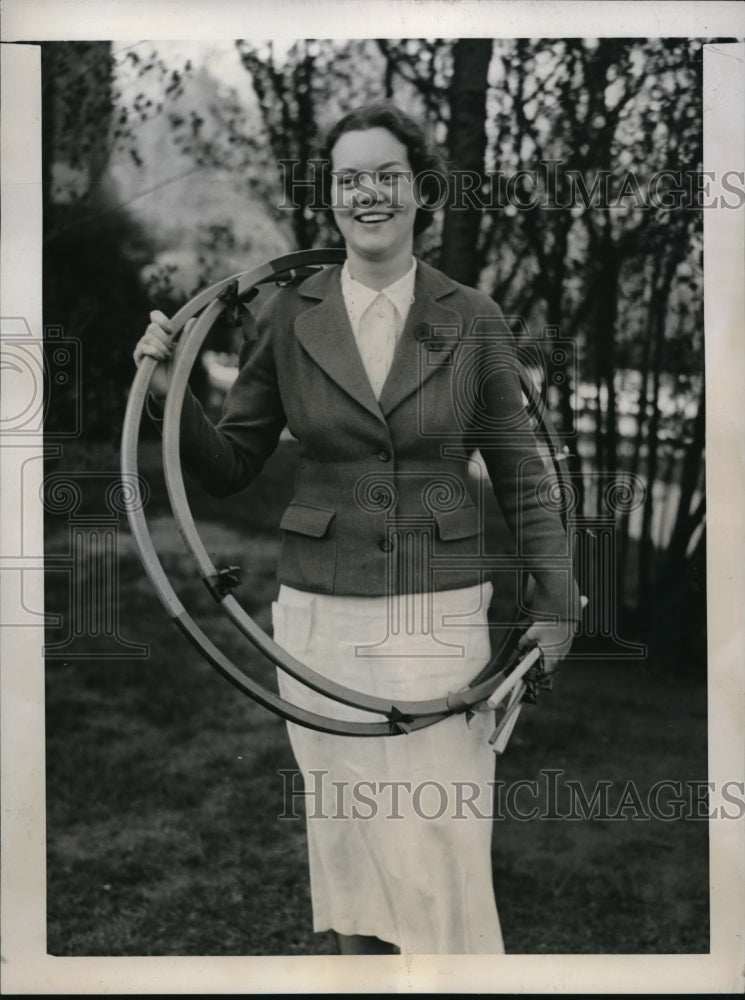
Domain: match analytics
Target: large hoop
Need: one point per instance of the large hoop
(400, 717)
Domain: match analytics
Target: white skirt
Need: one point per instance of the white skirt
(399, 827)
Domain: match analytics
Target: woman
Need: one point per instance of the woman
(386, 372)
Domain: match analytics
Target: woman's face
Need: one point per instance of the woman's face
(372, 193)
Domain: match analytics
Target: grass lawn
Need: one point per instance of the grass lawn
(163, 784)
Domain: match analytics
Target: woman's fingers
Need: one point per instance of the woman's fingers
(158, 336)
(155, 344)
(160, 319)
(549, 663)
(533, 635)
(553, 642)
(158, 341)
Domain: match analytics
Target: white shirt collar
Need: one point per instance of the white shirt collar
(358, 297)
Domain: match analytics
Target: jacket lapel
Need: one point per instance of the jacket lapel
(429, 320)
(325, 332)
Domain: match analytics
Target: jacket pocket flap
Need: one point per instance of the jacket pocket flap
(461, 523)
(305, 520)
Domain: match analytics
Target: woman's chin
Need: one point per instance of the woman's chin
(378, 245)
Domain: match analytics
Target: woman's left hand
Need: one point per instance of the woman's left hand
(555, 641)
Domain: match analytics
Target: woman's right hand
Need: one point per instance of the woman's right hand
(157, 342)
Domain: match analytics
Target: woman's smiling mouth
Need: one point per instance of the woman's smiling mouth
(371, 217)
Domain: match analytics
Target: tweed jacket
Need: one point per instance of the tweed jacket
(380, 502)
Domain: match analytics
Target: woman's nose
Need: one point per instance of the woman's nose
(366, 190)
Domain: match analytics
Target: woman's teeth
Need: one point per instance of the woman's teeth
(373, 217)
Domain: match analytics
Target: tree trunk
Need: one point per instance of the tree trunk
(645, 541)
(560, 369)
(459, 256)
(305, 224)
(686, 521)
(608, 302)
(641, 420)
(599, 434)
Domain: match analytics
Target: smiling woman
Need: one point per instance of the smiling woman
(374, 206)
(382, 588)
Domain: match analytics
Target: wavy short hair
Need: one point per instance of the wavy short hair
(423, 156)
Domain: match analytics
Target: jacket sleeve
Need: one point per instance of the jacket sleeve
(225, 457)
(516, 467)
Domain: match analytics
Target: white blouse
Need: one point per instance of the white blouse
(377, 319)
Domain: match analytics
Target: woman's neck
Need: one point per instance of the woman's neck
(378, 274)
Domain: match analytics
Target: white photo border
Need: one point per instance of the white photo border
(26, 967)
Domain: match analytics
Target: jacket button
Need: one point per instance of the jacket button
(385, 545)
(383, 455)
